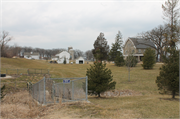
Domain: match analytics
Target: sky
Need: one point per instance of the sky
(52, 24)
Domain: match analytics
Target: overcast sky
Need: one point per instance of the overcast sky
(60, 24)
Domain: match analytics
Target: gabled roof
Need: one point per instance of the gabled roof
(141, 43)
(79, 57)
(55, 57)
(28, 53)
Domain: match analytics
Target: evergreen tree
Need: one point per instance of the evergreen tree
(116, 47)
(168, 79)
(2, 92)
(100, 79)
(101, 48)
(64, 60)
(149, 59)
(119, 60)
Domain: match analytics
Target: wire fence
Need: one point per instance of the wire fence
(26, 71)
(53, 90)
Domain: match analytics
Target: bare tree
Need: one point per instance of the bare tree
(171, 15)
(130, 61)
(78, 53)
(89, 54)
(5, 38)
(157, 36)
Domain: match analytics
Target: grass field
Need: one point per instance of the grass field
(150, 104)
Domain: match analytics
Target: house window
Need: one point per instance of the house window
(139, 50)
(132, 51)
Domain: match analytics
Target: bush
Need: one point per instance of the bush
(100, 79)
(2, 92)
(149, 59)
(119, 60)
(64, 61)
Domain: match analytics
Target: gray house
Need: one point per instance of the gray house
(136, 47)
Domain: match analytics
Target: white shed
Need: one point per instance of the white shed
(32, 55)
(62, 56)
(80, 60)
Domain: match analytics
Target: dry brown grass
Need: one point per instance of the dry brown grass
(21, 105)
(145, 101)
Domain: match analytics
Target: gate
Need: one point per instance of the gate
(51, 90)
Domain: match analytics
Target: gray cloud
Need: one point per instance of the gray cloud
(77, 24)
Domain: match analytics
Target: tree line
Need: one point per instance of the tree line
(14, 50)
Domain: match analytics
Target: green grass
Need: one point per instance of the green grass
(148, 105)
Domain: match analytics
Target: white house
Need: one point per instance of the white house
(80, 60)
(32, 55)
(61, 57)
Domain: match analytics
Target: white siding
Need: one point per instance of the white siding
(62, 55)
(79, 59)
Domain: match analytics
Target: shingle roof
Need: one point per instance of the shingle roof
(142, 43)
(55, 57)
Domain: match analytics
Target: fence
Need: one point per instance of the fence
(51, 90)
(27, 71)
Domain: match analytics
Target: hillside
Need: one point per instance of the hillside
(145, 101)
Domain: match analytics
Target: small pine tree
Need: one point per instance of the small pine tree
(149, 59)
(168, 79)
(2, 92)
(100, 79)
(64, 60)
(119, 60)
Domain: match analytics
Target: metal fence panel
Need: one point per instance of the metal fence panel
(50, 90)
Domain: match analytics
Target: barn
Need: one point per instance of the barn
(80, 60)
(61, 57)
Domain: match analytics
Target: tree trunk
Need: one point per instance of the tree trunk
(99, 95)
(173, 94)
(128, 73)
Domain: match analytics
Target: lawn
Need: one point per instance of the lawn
(149, 104)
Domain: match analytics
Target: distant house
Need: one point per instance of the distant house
(137, 47)
(31, 55)
(80, 60)
(64, 55)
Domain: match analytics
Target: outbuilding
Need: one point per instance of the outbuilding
(64, 55)
(80, 60)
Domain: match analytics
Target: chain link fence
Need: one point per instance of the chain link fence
(53, 90)
(27, 71)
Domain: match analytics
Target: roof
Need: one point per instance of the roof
(141, 43)
(79, 58)
(28, 53)
(55, 57)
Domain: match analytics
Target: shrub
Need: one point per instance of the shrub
(2, 92)
(100, 79)
(149, 59)
(64, 61)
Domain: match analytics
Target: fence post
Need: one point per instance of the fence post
(44, 90)
(72, 90)
(63, 93)
(86, 88)
(39, 93)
